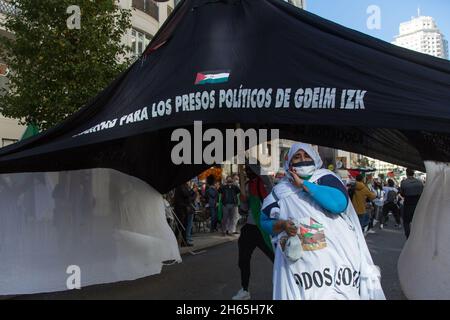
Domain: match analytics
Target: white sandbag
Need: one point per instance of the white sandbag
(112, 226)
(424, 264)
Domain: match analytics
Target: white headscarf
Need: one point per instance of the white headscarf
(308, 149)
(285, 187)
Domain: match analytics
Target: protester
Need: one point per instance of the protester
(359, 201)
(411, 189)
(183, 205)
(219, 207)
(212, 198)
(370, 206)
(197, 197)
(390, 205)
(320, 250)
(230, 215)
(235, 177)
(252, 235)
(378, 202)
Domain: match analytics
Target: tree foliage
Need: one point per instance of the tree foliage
(55, 70)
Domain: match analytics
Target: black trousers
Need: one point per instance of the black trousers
(395, 211)
(250, 238)
(408, 213)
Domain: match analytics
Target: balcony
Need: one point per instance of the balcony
(148, 6)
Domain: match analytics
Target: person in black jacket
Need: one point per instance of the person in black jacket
(183, 200)
(411, 189)
(212, 197)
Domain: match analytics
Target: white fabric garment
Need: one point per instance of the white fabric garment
(111, 225)
(424, 264)
(308, 149)
(335, 262)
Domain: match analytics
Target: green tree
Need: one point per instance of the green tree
(56, 68)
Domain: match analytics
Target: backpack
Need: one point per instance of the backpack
(391, 196)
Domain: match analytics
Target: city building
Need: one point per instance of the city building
(298, 3)
(10, 130)
(422, 34)
(147, 17)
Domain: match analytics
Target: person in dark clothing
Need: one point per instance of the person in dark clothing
(230, 214)
(252, 235)
(411, 190)
(390, 204)
(212, 197)
(183, 200)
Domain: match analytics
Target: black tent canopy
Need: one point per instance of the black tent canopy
(262, 64)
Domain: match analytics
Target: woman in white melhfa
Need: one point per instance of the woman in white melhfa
(320, 251)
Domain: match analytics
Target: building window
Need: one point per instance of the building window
(139, 41)
(148, 6)
(7, 142)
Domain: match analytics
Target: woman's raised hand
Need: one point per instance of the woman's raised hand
(298, 182)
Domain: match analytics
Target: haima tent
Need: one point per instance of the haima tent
(259, 63)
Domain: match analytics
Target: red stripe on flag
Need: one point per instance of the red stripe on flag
(200, 77)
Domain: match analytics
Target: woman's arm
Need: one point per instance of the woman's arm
(331, 199)
(275, 226)
(268, 223)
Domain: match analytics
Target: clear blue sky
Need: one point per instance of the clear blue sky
(352, 14)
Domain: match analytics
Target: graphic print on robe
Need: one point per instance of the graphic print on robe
(312, 235)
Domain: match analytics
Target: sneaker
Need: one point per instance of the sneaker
(242, 295)
(371, 231)
(381, 226)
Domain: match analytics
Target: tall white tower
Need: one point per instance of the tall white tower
(422, 34)
(298, 3)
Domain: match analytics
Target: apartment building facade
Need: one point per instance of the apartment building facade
(422, 34)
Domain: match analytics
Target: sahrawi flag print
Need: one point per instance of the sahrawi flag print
(212, 77)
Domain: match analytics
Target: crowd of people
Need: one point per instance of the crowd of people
(374, 199)
(215, 202)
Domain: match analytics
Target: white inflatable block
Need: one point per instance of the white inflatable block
(424, 264)
(110, 225)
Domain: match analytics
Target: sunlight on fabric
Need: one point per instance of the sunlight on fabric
(111, 225)
(423, 265)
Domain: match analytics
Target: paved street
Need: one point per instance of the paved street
(386, 246)
(214, 275)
